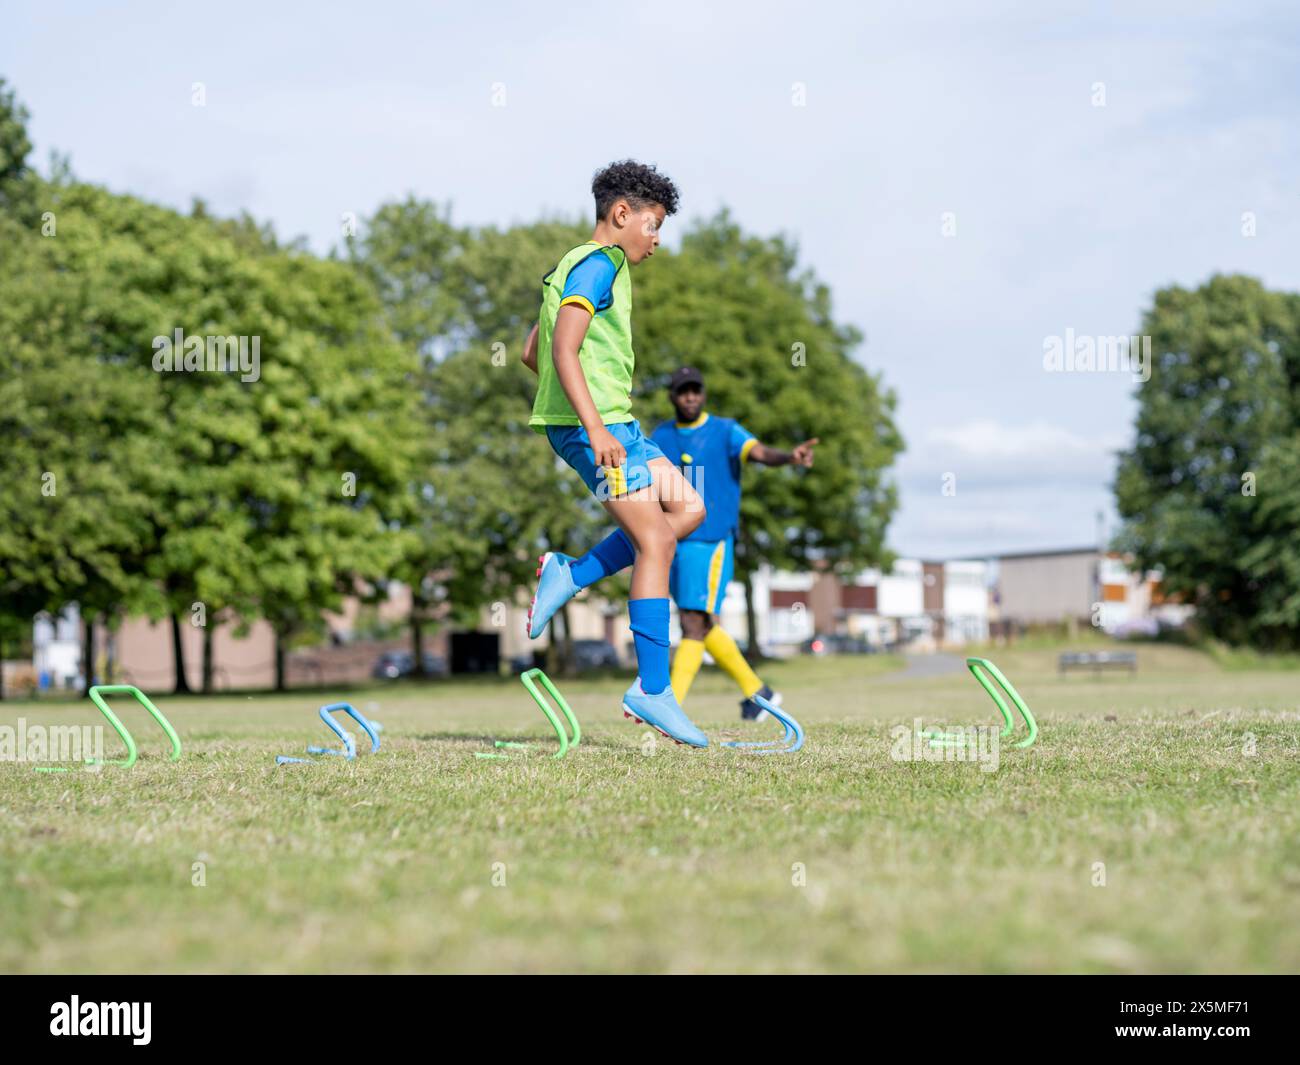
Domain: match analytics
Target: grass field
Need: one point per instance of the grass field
(1183, 781)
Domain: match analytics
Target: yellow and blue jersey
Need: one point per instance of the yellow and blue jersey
(595, 277)
(709, 452)
(590, 284)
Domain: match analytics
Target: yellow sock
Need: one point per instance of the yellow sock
(725, 652)
(686, 663)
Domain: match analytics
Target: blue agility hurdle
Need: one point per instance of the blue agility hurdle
(788, 744)
(349, 749)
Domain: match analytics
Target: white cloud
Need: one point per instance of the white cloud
(984, 451)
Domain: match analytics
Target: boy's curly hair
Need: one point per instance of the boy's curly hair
(635, 182)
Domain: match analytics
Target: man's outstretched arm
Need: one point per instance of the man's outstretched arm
(802, 455)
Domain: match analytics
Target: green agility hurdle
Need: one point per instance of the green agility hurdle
(530, 680)
(987, 673)
(97, 694)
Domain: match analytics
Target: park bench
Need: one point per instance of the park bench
(1097, 661)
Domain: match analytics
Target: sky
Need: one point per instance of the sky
(971, 180)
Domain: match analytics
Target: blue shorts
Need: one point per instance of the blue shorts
(572, 444)
(701, 572)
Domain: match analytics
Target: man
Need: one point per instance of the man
(710, 452)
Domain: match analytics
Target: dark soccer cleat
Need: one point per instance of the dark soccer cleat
(751, 711)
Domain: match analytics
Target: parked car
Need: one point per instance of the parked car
(435, 666)
(587, 654)
(392, 665)
(595, 654)
(523, 663)
(834, 643)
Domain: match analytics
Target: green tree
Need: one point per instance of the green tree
(17, 188)
(270, 491)
(1208, 489)
(74, 522)
(408, 252)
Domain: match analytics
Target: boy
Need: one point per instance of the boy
(710, 452)
(581, 351)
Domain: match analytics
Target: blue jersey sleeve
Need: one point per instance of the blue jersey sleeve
(740, 442)
(590, 284)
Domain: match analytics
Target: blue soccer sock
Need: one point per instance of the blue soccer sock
(612, 554)
(650, 634)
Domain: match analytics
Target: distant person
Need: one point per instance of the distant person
(710, 452)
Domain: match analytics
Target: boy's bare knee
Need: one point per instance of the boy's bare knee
(659, 542)
(667, 540)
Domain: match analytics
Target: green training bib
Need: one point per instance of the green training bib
(606, 353)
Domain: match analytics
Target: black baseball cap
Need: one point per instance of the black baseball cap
(687, 375)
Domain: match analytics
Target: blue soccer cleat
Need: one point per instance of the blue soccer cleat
(662, 714)
(554, 588)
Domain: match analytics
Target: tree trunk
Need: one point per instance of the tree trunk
(751, 618)
(88, 653)
(566, 666)
(417, 641)
(279, 662)
(178, 659)
(111, 621)
(207, 658)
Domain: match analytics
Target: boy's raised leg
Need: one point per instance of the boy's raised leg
(612, 555)
(561, 577)
(653, 530)
(555, 587)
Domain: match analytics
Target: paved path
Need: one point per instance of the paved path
(924, 667)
